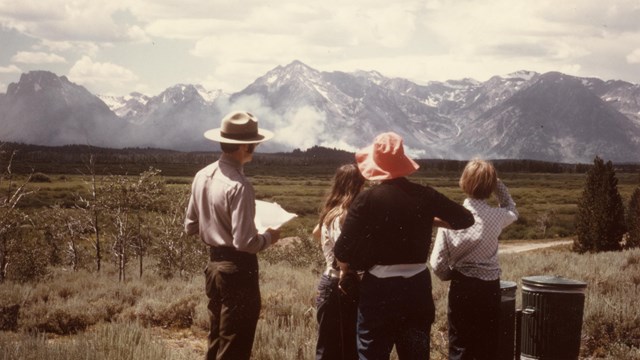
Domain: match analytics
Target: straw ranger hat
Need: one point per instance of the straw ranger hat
(385, 159)
(239, 127)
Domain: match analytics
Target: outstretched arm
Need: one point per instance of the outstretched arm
(506, 202)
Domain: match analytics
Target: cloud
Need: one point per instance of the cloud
(54, 45)
(599, 16)
(188, 28)
(99, 75)
(28, 57)
(634, 57)
(230, 44)
(11, 69)
(236, 61)
(148, 10)
(390, 25)
(61, 20)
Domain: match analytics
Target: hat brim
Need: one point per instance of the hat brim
(216, 135)
(370, 170)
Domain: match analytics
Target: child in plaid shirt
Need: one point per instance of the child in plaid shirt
(469, 259)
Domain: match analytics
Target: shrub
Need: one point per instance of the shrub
(59, 316)
(173, 304)
(9, 317)
(29, 259)
(40, 178)
(178, 313)
(301, 251)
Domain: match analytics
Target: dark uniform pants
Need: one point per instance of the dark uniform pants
(474, 317)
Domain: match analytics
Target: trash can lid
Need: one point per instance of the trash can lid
(508, 290)
(553, 282)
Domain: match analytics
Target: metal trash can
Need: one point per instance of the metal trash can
(506, 342)
(552, 309)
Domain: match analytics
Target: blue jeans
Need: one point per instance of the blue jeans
(395, 311)
(336, 322)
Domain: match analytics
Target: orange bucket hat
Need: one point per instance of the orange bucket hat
(385, 158)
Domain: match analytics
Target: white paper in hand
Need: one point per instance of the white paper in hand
(270, 215)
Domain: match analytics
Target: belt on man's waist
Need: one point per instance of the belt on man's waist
(228, 253)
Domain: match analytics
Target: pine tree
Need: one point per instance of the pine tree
(600, 222)
(633, 220)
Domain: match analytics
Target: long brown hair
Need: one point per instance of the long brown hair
(347, 183)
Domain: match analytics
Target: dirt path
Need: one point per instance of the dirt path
(525, 246)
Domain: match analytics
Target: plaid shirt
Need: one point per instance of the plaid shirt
(474, 251)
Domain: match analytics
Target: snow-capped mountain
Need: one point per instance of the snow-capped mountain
(342, 110)
(551, 116)
(129, 106)
(43, 108)
(623, 96)
(177, 118)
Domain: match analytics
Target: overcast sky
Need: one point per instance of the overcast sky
(119, 46)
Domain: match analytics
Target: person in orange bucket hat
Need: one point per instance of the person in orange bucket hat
(385, 159)
(387, 234)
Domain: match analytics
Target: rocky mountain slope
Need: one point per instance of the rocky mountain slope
(523, 115)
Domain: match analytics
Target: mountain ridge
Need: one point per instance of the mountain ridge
(577, 118)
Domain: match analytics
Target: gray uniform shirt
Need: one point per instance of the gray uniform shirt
(222, 208)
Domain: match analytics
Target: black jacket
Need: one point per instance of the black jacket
(391, 223)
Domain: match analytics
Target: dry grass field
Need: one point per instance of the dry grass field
(84, 315)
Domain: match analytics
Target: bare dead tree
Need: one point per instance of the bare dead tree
(177, 254)
(92, 207)
(149, 190)
(65, 226)
(126, 201)
(11, 218)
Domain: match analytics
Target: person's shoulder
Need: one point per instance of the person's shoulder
(207, 170)
(220, 172)
(230, 172)
(364, 194)
(363, 197)
(420, 189)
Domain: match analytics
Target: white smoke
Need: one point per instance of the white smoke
(296, 128)
(301, 128)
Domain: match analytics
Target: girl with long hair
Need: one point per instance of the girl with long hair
(337, 307)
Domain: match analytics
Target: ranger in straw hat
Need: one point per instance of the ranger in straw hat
(222, 210)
